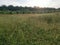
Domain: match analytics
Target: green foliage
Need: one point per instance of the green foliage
(31, 29)
(25, 10)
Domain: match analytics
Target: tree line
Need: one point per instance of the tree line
(25, 10)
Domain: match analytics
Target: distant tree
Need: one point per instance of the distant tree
(11, 8)
(19, 9)
(3, 8)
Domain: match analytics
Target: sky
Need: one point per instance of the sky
(32, 3)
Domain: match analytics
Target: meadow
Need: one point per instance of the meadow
(30, 29)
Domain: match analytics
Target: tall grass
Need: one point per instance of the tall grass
(30, 29)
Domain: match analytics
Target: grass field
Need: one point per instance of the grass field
(30, 29)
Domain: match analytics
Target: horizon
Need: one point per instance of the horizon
(32, 3)
(29, 6)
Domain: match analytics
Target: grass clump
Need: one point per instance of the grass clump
(29, 29)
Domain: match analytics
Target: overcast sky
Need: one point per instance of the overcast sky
(39, 3)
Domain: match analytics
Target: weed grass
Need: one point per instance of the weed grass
(30, 29)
